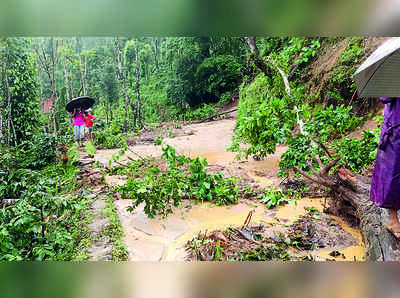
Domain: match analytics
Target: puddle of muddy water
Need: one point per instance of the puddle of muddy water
(161, 239)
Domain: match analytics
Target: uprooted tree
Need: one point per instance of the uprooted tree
(350, 200)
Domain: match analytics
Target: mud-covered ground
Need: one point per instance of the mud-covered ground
(314, 236)
(161, 239)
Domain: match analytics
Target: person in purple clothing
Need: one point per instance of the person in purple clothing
(385, 184)
(79, 125)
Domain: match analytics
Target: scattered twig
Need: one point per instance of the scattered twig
(120, 163)
(248, 219)
(142, 158)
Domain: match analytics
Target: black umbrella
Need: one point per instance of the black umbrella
(83, 102)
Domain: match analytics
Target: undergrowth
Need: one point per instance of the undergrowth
(185, 178)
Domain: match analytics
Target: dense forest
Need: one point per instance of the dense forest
(290, 90)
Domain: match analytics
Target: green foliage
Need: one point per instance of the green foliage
(273, 198)
(219, 74)
(37, 152)
(308, 52)
(358, 154)
(185, 179)
(326, 125)
(39, 226)
(203, 112)
(107, 139)
(276, 251)
(90, 148)
(158, 141)
(265, 119)
(206, 69)
(340, 79)
(23, 87)
(114, 231)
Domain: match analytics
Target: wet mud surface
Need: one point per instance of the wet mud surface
(166, 239)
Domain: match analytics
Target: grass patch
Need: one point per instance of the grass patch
(115, 232)
(90, 148)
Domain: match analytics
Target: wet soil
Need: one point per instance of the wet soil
(310, 237)
(165, 239)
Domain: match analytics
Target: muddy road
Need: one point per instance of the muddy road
(161, 239)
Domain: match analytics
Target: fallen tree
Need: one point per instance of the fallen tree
(350, 193)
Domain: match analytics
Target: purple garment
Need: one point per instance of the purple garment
(385, 184)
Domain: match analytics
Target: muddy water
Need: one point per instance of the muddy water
(164, 239)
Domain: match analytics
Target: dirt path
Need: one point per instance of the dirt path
(164, 239)
(101, 248)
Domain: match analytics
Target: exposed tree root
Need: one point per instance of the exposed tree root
(351, 201)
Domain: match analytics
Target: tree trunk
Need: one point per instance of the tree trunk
(255, 56)
(121, 78)
(85, 80)
(138, 103)
(106, 110)
(9, 112)
(53, 58)
(351, 201)
(111, 112)
(67, 95)
(72, 83)
(2, 107)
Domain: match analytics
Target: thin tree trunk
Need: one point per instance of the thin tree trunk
(85, 88)
(40, 83)
(72, 83)
(67, 95)
(106, 110)
(156, 52)
(85, 84)
(2, 104)
(255, 56)
(54, 96)
(111, 113)
(9, 112)
(82, 88)
(121, 78)
(138, 103)
(66, 78)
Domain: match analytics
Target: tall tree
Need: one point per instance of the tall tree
(48, 60)
(138, 102)
(20, 90)
(121, 77)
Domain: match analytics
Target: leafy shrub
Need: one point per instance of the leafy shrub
(39, 226)
(158, 140)
(108, 139)
(327, 125)
(340, 79)
(265, 118)
(273, 198)
(203, 112)
(358, 154)
(219, 74)
(185, 179)
(37, 153)
(90, 148)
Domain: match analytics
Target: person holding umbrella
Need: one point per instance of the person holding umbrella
(79, 125)
(378, 76)
(76, 106)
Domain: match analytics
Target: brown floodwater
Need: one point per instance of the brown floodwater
(163, 239)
